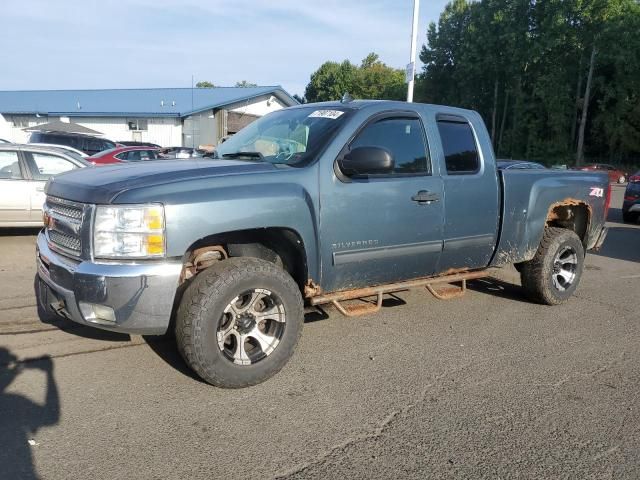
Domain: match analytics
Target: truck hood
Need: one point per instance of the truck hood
(103, 184)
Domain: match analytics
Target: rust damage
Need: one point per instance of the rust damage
(453, 271)
(200, 259)
(558, 213)
(311, 289)
(449, 291)
(395, 287)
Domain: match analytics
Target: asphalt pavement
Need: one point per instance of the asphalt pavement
(486, 386)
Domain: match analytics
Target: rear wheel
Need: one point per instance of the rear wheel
(239, 322)
(554, 273)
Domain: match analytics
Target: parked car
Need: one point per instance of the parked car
(631, 203)
(63, 147)
(87, 143)
(635, 177)
(129, 143)
(326, 202)
(124, 154)
(181, 152)
(24, 170)
(519, 165)
(615, 175)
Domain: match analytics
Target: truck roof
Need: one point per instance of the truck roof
(361, 104)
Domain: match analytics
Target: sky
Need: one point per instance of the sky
(86, 44)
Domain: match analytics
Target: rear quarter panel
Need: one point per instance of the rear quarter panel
(529, 196)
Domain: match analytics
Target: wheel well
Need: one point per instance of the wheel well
(281, 246)
(572, 215)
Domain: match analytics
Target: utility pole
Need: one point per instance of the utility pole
(411, 68)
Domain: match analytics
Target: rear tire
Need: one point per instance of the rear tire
(239, 322)
(553, 274)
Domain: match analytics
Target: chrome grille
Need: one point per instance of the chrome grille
(63, 224)
(65, 209)
(67, 242)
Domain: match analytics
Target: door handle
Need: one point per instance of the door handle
(425, 197)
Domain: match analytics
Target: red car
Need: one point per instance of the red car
(124, 154)
(615, 175)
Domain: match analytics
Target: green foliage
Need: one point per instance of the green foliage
(245, 84)
(538, 54)
(205, 84)
(372, 79)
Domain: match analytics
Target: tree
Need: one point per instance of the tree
(205, 84)
(245, 84)
(299, 99)
(554, 80)
(372, 79)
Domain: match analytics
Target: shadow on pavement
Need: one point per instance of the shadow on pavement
(19, 232)
(497, 288)
(165, 347)
(20, 418)
(623, 240)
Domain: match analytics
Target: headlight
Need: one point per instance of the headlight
(129, 231)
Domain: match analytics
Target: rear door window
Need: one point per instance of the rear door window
(44, 165)
(460, 149)
(10, 166)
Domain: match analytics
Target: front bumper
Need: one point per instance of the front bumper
(140, 294)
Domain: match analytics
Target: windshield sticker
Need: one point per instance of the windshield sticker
(332, 114)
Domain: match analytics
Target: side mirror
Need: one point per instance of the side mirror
(367, 161)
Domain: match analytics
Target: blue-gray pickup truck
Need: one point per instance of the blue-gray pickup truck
(319, 203)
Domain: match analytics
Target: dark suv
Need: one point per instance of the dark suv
(88, 144)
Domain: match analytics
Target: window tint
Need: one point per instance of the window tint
(133, 156)
(10, 166)
(403, 137)
(147, 155)
(48, 165)
(460, 151)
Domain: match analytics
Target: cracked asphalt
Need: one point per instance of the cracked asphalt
(486, 386)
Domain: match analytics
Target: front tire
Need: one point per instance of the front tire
(239, 322)
(553, 274)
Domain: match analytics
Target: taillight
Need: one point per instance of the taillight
(634, 178)
(630, 198)
(607, 201)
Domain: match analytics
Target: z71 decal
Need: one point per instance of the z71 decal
(596, 192)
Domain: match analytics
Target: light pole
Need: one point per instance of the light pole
(411, 68)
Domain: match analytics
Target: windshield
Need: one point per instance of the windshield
(289, 136)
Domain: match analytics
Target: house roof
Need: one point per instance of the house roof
(142, 102)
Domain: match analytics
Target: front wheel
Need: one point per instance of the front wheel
(554, 273)
(239, 322)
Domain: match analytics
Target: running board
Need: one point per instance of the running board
(442, 293)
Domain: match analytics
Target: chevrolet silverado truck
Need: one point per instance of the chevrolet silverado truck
(318, 203)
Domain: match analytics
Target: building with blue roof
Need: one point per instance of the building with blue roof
(166, 116)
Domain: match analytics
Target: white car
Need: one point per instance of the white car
(24, 170)
(63, 147)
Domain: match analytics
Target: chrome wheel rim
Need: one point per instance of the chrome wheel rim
(565, 265)
(251, 326)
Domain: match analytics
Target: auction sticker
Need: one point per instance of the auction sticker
(332, 114)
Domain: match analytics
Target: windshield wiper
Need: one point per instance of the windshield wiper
(257, 155)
